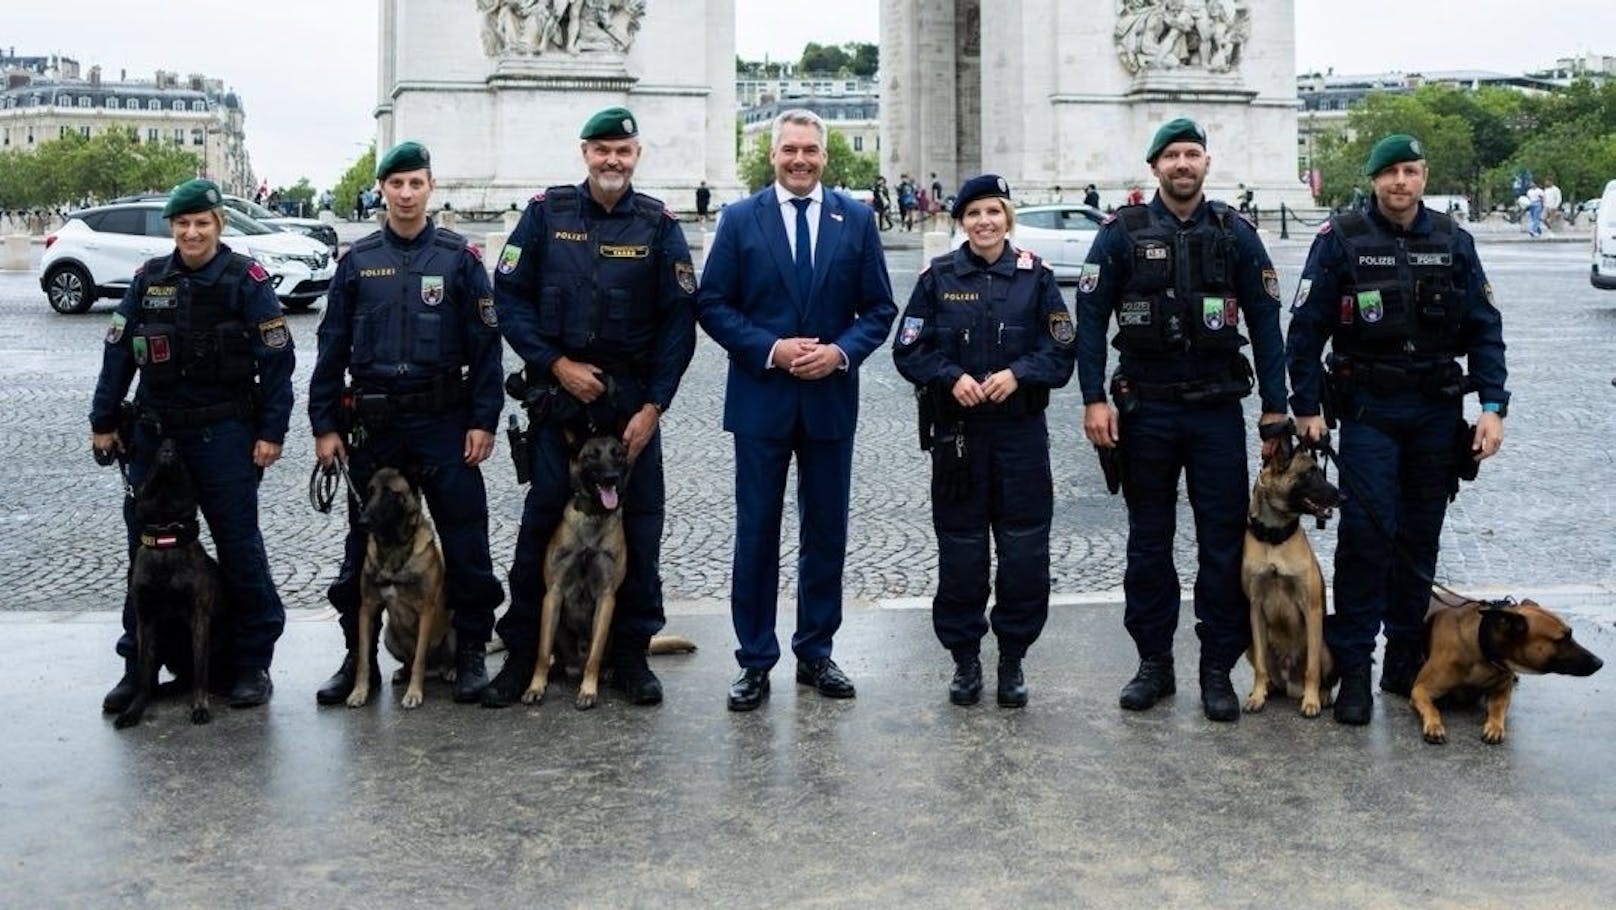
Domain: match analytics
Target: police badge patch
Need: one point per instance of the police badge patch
(1212, 313)
(1024, 260)
(1487, 291)
(431, 289)
(508, 258)
(1061, 328)
(1302, 290)
(1370, 307)
(274, 333)
(910, 332)
(1270, 283)
(1089, 278)
(115, 330)
(487, 313)
(685, 274)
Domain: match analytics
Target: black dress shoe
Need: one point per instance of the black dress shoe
(1012, 684)
(120, 696)
(510, 682)
(471, 673)
(632, 676)
(1218, 700)
(1354, 702)
(750, 689)
(252, 689)
(966, 686)
(1153, 682)
(336, 690)
(825, 676)
(1403, 660)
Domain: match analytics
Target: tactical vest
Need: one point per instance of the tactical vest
(1400, 298)
(189, 331)
(984, 322)
(1180, 295)
(407, 322)
(599, 280)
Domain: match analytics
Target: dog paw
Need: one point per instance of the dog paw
(1311, 707)
(533, 696)
(126, 719)
(586, 700)
(1492, 734)
(201, 715)
(1255, 703)
(412, 699)
(358, 697)
(1435, 734)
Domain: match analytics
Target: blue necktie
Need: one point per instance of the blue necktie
(805, 255)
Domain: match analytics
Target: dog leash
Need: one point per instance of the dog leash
(323, 484)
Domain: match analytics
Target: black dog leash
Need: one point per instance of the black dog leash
(323, 484)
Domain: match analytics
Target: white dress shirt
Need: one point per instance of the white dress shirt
(788, 214)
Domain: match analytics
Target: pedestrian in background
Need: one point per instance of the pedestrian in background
(704, 198)
(984, 338)
(1398, 292)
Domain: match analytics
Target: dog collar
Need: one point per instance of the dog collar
(171, 535)
(1271, 535)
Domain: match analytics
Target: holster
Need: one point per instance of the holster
(1112, 464)
(1124, 394)
(1465, 465)
(951, 463)
(520, 441)
(926, 416)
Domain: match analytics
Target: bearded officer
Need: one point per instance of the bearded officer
(410, 317)
(595, 293)
(205, 332)
(1178, 273)
(1397, 291)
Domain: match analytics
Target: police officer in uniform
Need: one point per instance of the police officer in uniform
(595, 292)
(410, 316)
(984, 338)
(1397, 290)
(205, 332)
(1178, 273)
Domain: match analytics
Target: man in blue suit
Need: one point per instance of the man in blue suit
(796, 290)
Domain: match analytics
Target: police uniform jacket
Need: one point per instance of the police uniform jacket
(404, 315)
(1409, 298)
(199, 338)
(613, 288)
(967, 315)
(1181, 288)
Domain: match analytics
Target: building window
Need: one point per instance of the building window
(199, 105)
(112, 104)
(84, 131)
(84, 101)
(151, 132)
(858, 143)
(179, 136)
(154, 105)
(134, 133)
(8, 137)
(196, 137)
(30, 135)
(61, 132)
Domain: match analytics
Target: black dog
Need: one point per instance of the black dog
(173, 586)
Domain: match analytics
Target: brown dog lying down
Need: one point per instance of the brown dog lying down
(1476, 650)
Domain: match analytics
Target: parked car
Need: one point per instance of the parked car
(1602, 273)
(95, 254)
(1060, 233)
(308, 227)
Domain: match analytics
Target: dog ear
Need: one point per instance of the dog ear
(1503, 625)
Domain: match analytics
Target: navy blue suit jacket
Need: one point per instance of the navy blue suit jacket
(750, 299)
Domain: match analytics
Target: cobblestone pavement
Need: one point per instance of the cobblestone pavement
(1539, 516)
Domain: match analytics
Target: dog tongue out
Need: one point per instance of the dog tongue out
(608, 497)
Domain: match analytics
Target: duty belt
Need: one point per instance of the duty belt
(439, 398)
(1439, 380)
(190, 418)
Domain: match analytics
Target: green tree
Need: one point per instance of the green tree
(73, 169)
(361, 175)
(1446, 138)
(823, 58)
(843, 167)
(865, 58)
(300, 193)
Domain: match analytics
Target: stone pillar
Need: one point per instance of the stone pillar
(17, 256)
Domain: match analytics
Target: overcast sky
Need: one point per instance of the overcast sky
(306, 69)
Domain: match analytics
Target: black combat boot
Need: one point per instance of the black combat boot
(1403, 661)
(511, 681)
(471, 675)
(632, 676)
(1012, 684)
(119, 697)
(1354, 702)
(1151, 684)
(253, 688)
(335, 691)
(1218, 700)
(966, 686)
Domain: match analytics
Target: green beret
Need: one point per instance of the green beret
(1394, 149)
(192, 196)
(406, 156)
(1180, 129)
(611, 123)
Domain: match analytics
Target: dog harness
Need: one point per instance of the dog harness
(1271, 535)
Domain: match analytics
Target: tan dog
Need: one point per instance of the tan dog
(403, 574)
(1477, 649)
(1281, 578)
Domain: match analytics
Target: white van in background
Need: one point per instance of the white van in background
(1603, 272)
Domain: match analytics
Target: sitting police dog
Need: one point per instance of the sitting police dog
(1477, 649)
(174, 587)
(403, 575)
(1281, 577)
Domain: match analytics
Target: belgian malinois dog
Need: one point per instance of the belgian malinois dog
(174, 586)
(1281, 578)
(403, 575)
(1477, 649)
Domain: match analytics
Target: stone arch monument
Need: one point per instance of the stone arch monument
(498, 89)
(1058, 93)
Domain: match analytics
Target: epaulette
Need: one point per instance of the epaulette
(367, 242)
(448, 239)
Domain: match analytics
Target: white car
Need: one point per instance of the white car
(95, 254)
(1603, 273)
(1060, 233)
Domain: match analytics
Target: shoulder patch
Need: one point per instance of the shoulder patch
(274, 333)
(115, 330)
(685, 274)
(487, 313)
(1302, 291)
(1061, 328)
(1270, 283)
(1487, 291)
(508, 258)
(1089, 278)
(256, 272)
(1024, 260)
(910, 332)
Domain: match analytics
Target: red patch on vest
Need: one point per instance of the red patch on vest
(475, 250)
(256, 272)
(670, 214)
(1325, 229)
(1110, 217)
(537, 197)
